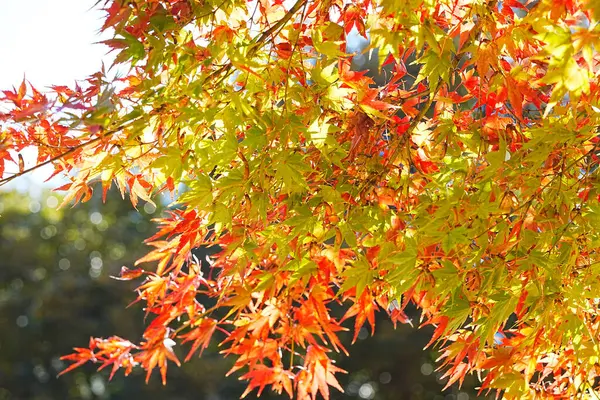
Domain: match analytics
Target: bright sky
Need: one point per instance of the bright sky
(50, 42)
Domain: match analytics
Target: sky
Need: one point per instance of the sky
(49, 42)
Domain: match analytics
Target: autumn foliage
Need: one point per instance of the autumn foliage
(466, 184)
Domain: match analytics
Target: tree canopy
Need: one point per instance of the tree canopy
(465, 182)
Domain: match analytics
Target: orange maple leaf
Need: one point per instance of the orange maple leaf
(317, 375)
(155, 352)
(201, 334)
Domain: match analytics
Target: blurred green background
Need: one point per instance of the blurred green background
(56, 292)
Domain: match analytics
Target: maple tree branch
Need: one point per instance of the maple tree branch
(415, 121)
(66, 153)
(258, 42)
(536, 195)
(413, 124)
(209, 13)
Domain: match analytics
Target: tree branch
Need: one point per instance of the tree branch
(257, 44)
(66, 153)
(415, 121)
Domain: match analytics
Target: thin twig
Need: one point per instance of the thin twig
(257, 44)
(66, 153)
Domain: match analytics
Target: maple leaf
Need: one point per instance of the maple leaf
(114, 350)
(129, 274)
(442, 324)
(353, 17)
(363, 310)
(201, 334)
(317, 375)
(515, 96)
(80, 357)
(487, 56)
(116, 14)
(155, 352)
(353, 78)
(368, 102)
(261, 376)
(154, 290)
(456, 373)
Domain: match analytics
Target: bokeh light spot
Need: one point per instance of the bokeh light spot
(426, 369)
(64, 264)
(52, 202)
(95, 217)
(22, 321)
(385, 377)
(366, 391)
(35, 206)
